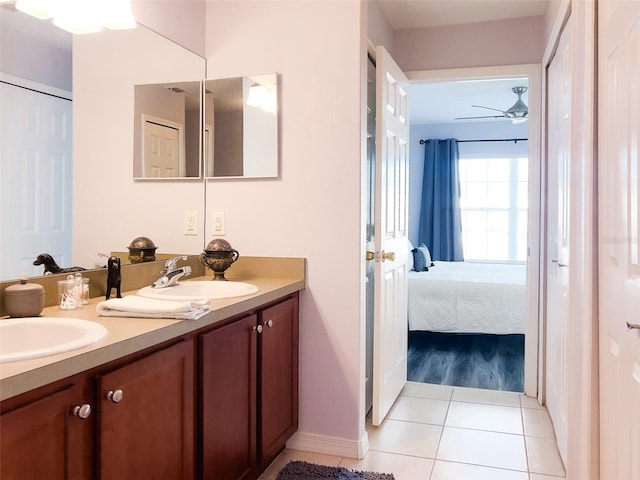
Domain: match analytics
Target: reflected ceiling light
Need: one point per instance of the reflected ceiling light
(262, 97)
(78, 16)
(116, 15)
(81, 16)
(42, 9)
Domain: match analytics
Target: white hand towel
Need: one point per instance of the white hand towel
(141, 307)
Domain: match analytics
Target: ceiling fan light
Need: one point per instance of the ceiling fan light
(42, 9)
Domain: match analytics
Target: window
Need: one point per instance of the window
(493, 204)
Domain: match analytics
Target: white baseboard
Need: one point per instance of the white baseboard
(339, 447)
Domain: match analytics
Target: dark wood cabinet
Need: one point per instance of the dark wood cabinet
(43, 439)
(217, 404)
(145, 417)
(249, 391)
(228, 406)
(278, 370)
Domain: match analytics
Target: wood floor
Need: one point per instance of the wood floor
(493, 362)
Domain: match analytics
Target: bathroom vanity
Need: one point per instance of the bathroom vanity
(213, 398)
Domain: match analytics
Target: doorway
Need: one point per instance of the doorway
(532, 244)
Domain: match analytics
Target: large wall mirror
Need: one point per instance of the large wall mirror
(85, 200)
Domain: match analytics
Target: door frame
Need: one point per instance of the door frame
(533, 72)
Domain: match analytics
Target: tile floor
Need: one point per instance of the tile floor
(436, 432)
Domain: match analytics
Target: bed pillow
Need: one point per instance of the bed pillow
(410, 256)
(421, 258)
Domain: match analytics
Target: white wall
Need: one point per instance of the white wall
(507, 42)
(34, 50)
(378, 29)
(182, 21)
(313, 209)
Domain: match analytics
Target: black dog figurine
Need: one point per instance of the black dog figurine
(114, 278)
(50, 265)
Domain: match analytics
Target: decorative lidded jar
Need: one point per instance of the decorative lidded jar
(218, 256)
(24, 299)
(142, 249)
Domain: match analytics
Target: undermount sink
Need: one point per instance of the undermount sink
(199, 290)
(33, 337)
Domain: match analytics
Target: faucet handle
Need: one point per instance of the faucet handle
(170, 264)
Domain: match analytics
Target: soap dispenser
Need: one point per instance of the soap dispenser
(24, 299)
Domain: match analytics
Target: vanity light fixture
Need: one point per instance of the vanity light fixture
(81, 16)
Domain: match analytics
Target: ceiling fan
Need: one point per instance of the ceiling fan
(518, 113)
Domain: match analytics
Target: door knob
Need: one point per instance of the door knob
(370, 255)
(115, 396)
(82, 411)
(388, 256)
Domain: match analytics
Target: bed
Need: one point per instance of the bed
(468, 297)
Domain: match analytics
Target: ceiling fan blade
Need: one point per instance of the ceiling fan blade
(474, 118)
(489, 108)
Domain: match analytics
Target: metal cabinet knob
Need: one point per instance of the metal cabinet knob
(115, 396)
(633, 326)
(258, 329)
(269, 323)
(82, 411)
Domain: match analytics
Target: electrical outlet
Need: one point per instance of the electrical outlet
(218, 223)
(190, 223)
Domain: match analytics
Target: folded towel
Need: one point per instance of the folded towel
(141, 307)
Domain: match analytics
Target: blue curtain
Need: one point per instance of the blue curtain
(440, 222)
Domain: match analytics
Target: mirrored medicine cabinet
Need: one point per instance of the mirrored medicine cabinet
(219, 128)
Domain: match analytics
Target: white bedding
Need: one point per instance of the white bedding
(466, 297)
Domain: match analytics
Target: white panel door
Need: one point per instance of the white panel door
(619, 249)
(558, 164)
(391, 206)
(36, 179)
(161, 151)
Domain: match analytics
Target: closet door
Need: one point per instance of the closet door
(558, 164)
(619, 229)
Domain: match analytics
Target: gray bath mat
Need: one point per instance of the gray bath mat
(298, 470)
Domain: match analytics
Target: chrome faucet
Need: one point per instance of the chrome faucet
(171, 273)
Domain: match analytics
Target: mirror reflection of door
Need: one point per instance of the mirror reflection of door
(162, 153)
(167, 132)
(36, 168)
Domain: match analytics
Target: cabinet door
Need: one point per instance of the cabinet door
(278, 377)
(43, 439)
(228, 363)
(145, 427)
